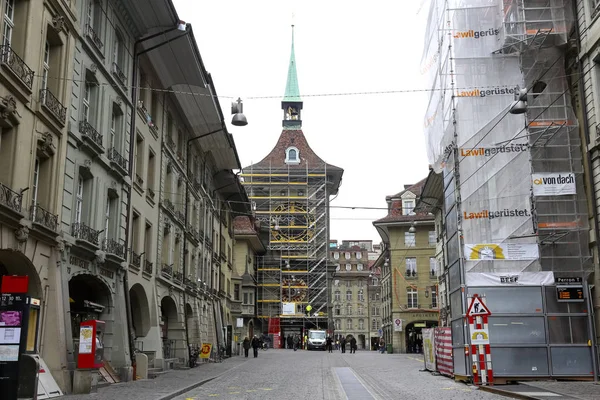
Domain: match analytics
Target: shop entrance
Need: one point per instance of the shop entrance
(15, 263)
(169, 325)
(90, 298)
(140, 310)
(414, 335)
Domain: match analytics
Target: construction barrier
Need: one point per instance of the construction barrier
(443, 351)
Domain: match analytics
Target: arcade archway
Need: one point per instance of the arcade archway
(170, 326)
(140, 310)
(414, 335)
(90, 298)
(16, 263)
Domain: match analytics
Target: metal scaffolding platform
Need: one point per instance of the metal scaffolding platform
(293, 203)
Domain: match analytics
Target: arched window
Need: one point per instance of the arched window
(349, 295)
(349, 309)
(337, 295)
(292, 155)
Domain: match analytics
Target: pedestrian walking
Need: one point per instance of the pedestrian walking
(296, 342)
(343, 344)
(329, 342)
(246, 345)
(255, 345)
(290, 342)
(337, 344)
(381, 346)
(353, 345)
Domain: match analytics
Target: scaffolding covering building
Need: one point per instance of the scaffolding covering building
(290, 191)
(500, 128)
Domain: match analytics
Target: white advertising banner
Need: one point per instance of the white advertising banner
(554, 184)
(542, 278)
(428, 350)
(501, 251)
(289, 308)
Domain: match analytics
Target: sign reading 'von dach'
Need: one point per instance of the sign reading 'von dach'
(554, 184)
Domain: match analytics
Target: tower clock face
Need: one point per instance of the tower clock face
(293, 290)
(294, 223)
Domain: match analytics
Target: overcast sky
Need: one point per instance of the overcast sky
(341, 47)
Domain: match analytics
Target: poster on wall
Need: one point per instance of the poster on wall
(85, 339)
(10, 335)
(554, 184)
(501, 251)
(9, 352)
(289, 308)
(428, 351)
(10, 318)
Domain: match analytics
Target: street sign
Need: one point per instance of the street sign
(480, 336)
(477, 308)
(397, 325)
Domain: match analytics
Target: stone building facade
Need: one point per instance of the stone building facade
(409, 270)
(38, 40)
(247, 248)
(582, 60)
(350, 294)
(114, 177)
(96, 181)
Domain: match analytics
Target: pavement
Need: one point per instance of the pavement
(285, 374)
(165, 386)
(548, 390)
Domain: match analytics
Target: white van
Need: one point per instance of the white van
(316, 339)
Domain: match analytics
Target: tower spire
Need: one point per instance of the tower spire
(292, 91)
(291, 103)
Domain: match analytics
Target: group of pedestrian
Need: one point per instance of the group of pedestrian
(341, 344)
(255, 343)
(292, 342)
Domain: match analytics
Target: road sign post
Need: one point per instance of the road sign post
(481, 357)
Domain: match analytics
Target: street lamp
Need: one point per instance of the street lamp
(237, 109)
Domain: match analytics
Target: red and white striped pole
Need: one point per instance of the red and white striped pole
(481, 358)
(488, 355)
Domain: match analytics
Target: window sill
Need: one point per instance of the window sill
(138, 188)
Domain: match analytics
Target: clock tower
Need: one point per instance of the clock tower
(290, 190)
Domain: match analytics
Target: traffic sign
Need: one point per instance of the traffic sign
(480, 336)
(477, 308)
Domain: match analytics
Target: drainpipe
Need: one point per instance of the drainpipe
(132, 136)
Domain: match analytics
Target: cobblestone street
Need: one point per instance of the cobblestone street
(284, 374)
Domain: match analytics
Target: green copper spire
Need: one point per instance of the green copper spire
(292, 91)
